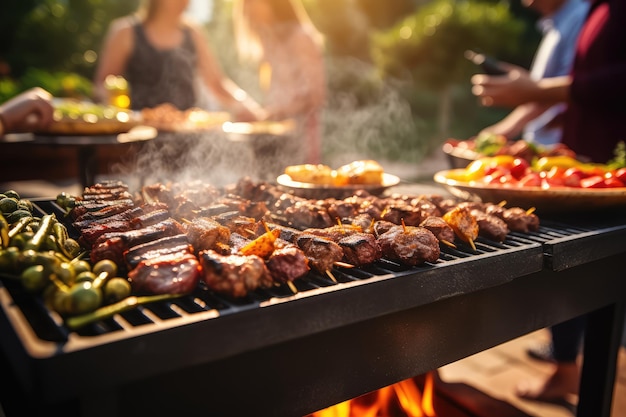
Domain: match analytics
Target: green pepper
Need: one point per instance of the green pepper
(4, 232)
(19, 226)
(42, 233)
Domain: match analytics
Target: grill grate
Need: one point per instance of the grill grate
(202, 304)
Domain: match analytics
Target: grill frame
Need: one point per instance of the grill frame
(255, 339)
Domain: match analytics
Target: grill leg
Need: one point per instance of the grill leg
(602, 342)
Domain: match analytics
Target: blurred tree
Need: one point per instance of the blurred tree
(428, 46)
(58, 35)
(383, 14)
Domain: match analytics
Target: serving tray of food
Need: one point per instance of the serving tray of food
(78, 117)
(553, 199)
(322, 181)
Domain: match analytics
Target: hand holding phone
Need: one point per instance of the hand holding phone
(488, 64)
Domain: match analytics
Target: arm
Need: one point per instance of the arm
(513, 124)
(516, 87)
(114, 55)
(231, 96)
(307, 87)
(26, 112)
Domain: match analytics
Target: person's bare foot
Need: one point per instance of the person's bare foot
(559, 386)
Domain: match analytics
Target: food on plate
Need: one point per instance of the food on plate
(360, 172)
(166, 117)
(311, 173)
(365, 172)
(493, 145)
(74, 117)
(546, 172)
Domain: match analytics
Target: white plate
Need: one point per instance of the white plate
(309, 190)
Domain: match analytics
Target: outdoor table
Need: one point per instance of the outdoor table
(86, 146)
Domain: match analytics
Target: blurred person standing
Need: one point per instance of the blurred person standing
(560, 24)
(593, 125)
(162, 55)
(278, 37)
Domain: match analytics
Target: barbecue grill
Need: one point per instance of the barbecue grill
(283, 354)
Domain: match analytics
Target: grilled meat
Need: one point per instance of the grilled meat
(233, 275)
(490, 226)
(81, 214)
(90, 234)
(410, 245)
(334, 233)
(399, 213)
(204, 233)
(287, 263)
(306, 214)
(321, 252)
(360, 249)
(156, 248)
(519, 220)
(126, 215)
(83, 207)
(174, 273)
(438, 226)
(113, 245)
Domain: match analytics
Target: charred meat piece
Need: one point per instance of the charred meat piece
(174, 273)
(360, 249)
(322, 253)
(234, 275)
(254, 209)
(116, 194)
(113, 245)
(82, 207)
(90, 234)
(364, 221)
(287, 263)
(342, 209)
(125, 215)
(519, 220)
(410, 245)
(204, 233)
(489, 226)
(80, 213)
(381, 226)
(105, 186)
(438, 226)
(398, 214)
(303, 214)
(334, 233)
(155, 248)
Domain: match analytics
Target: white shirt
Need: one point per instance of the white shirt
(554, 57)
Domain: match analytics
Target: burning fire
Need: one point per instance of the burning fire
(403, 399)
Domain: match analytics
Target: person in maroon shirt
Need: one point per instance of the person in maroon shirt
(593, 124)
(594, 91)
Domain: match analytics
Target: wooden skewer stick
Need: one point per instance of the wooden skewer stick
(344, 265)
(471, 243)
(403, 225)
(292, 287)
(447, 243)
(530, 210)
(502, 203)
(331, 276)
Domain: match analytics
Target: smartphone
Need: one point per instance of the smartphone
(488, 64)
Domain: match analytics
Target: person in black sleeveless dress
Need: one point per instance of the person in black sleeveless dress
(161, 55)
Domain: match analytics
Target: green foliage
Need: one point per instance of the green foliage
(60, 35)
(428, 46)
(59, 84)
